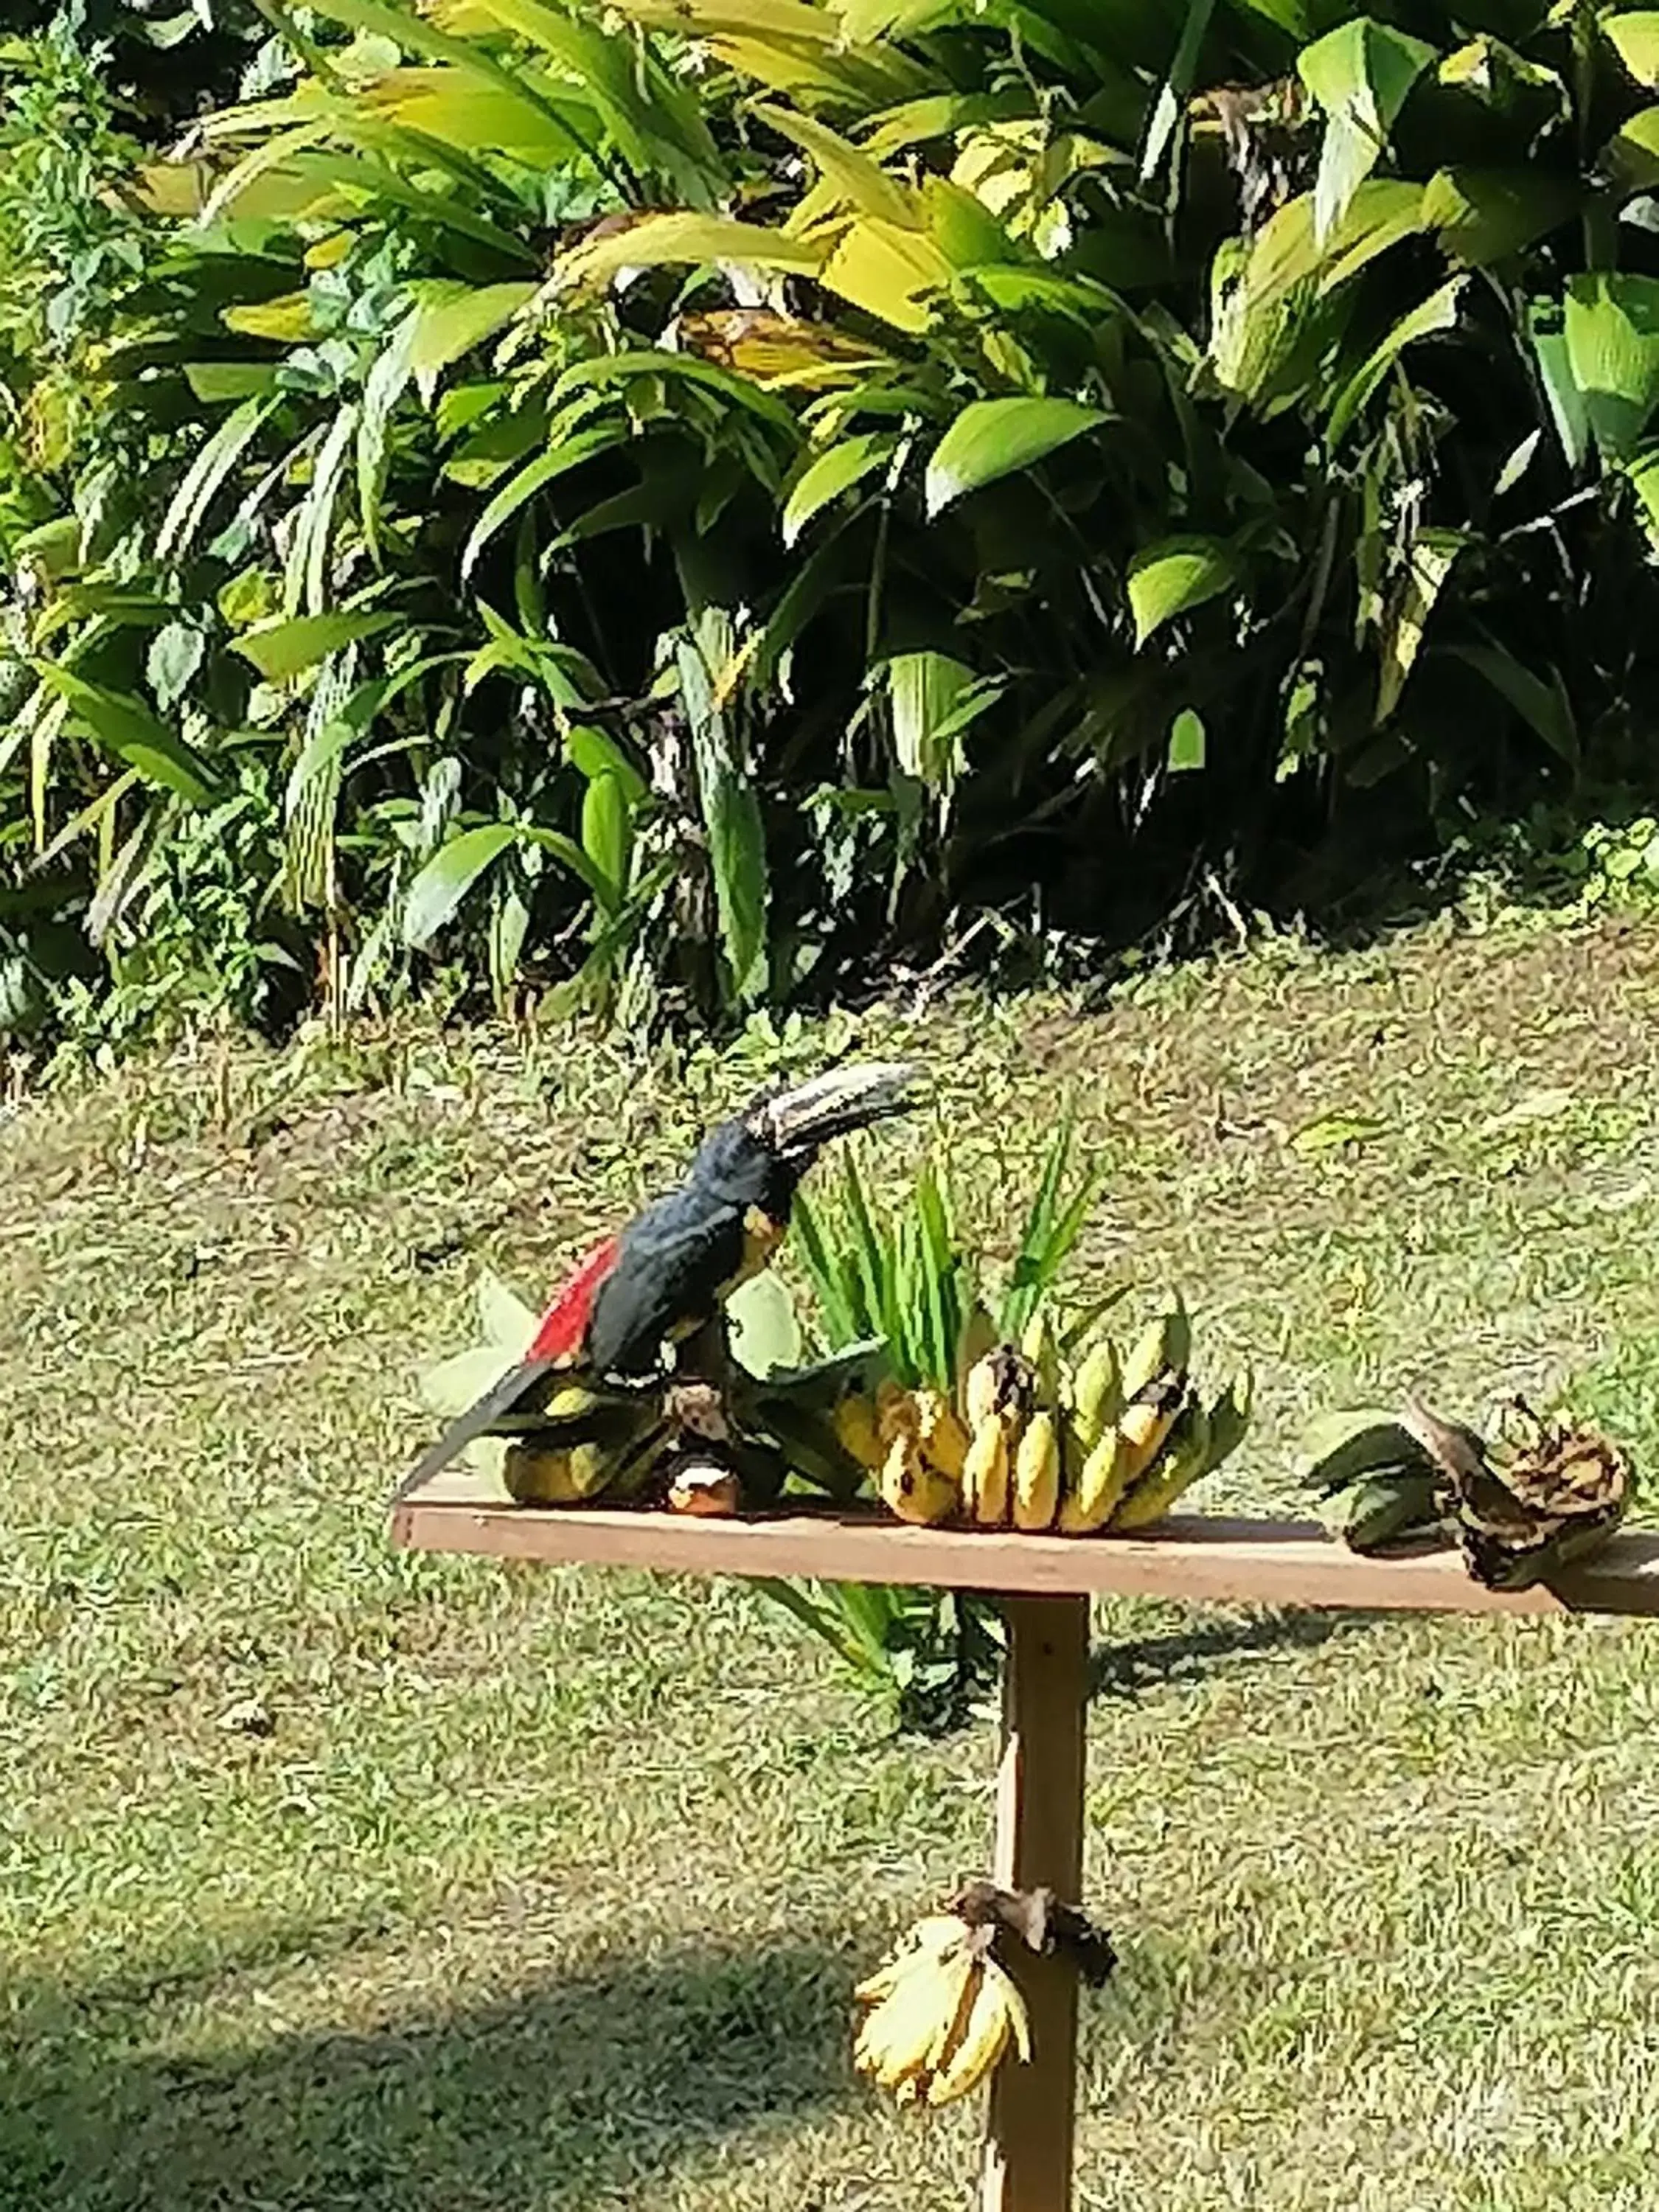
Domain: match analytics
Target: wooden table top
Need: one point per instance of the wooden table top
(1199, 1558)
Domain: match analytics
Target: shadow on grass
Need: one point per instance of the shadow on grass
(1193, 1653)
(567, 2094)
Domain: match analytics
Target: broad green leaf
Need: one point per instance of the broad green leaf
(1545, 326)
(1634, 37)
(737, 851)
(592, 751)
(127, 727)
(766, 1336)
(175, 654)
(213, 381)
(450, 325)
(993, 438)
(1186, 742)
(1175, 575)
(1544, 707)
(207, 473)
(1484, 216)
(1612, 333)
(835, 470)
(608, 834)
(1360, 74)
(442, 884)
(285, 649)
(1438, 313)
(563, 456)
(1631, 157)
(924, 691)
(1427, 566)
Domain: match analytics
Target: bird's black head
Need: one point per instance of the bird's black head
(759, 1157)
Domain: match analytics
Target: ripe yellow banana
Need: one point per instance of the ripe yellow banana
(982, 1389)
(1040, 1348)
(996, 2015)
(1036, 1474)
(977, 1336)
(536, 1475)
(1165, 1347)
(894, 2043)
(917, 1998)
(856, 1433)
(985, 1472)
(1147, 1421)
(1103, 1481)
(1097, 1393)
(913, 1489)
(895, 1414)
(1184, 1460)
(944, 1439)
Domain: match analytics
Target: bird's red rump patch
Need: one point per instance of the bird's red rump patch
(562, 1328)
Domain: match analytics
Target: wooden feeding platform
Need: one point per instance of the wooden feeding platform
(1044, 1583)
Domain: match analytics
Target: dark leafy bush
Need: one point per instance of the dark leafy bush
(677, 502)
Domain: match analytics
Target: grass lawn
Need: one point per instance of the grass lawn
(331, 1878)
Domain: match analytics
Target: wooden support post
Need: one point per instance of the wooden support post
(1028, 2152)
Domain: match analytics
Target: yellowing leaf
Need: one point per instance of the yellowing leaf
(1634, 37)
(656, 240)
(892, 273)
(858, 183)
(289, 319)
(464, 109)
(1427, 566)
(451, 322)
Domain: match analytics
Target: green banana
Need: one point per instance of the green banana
(1338, 1448)
(1384, 1507)
(1096, 1393)
(1228, 1412)
(1180, 1464)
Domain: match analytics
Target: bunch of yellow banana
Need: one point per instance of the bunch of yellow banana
(1109, 1442)
(1034, 1442)
(942, 2013)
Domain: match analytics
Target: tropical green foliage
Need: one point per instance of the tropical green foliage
(658, 502)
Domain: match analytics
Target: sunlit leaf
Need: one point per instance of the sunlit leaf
(452, 322)
(439, 890)
(993, 438)
(128, 728)
(285, 649)
(1176, 575)
(1633, 35)
(834, 471)
(1438, 314)
(1360, 74)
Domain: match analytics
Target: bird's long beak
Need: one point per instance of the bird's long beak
(798, 1121)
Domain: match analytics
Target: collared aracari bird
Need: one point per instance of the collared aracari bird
(672, 1269)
